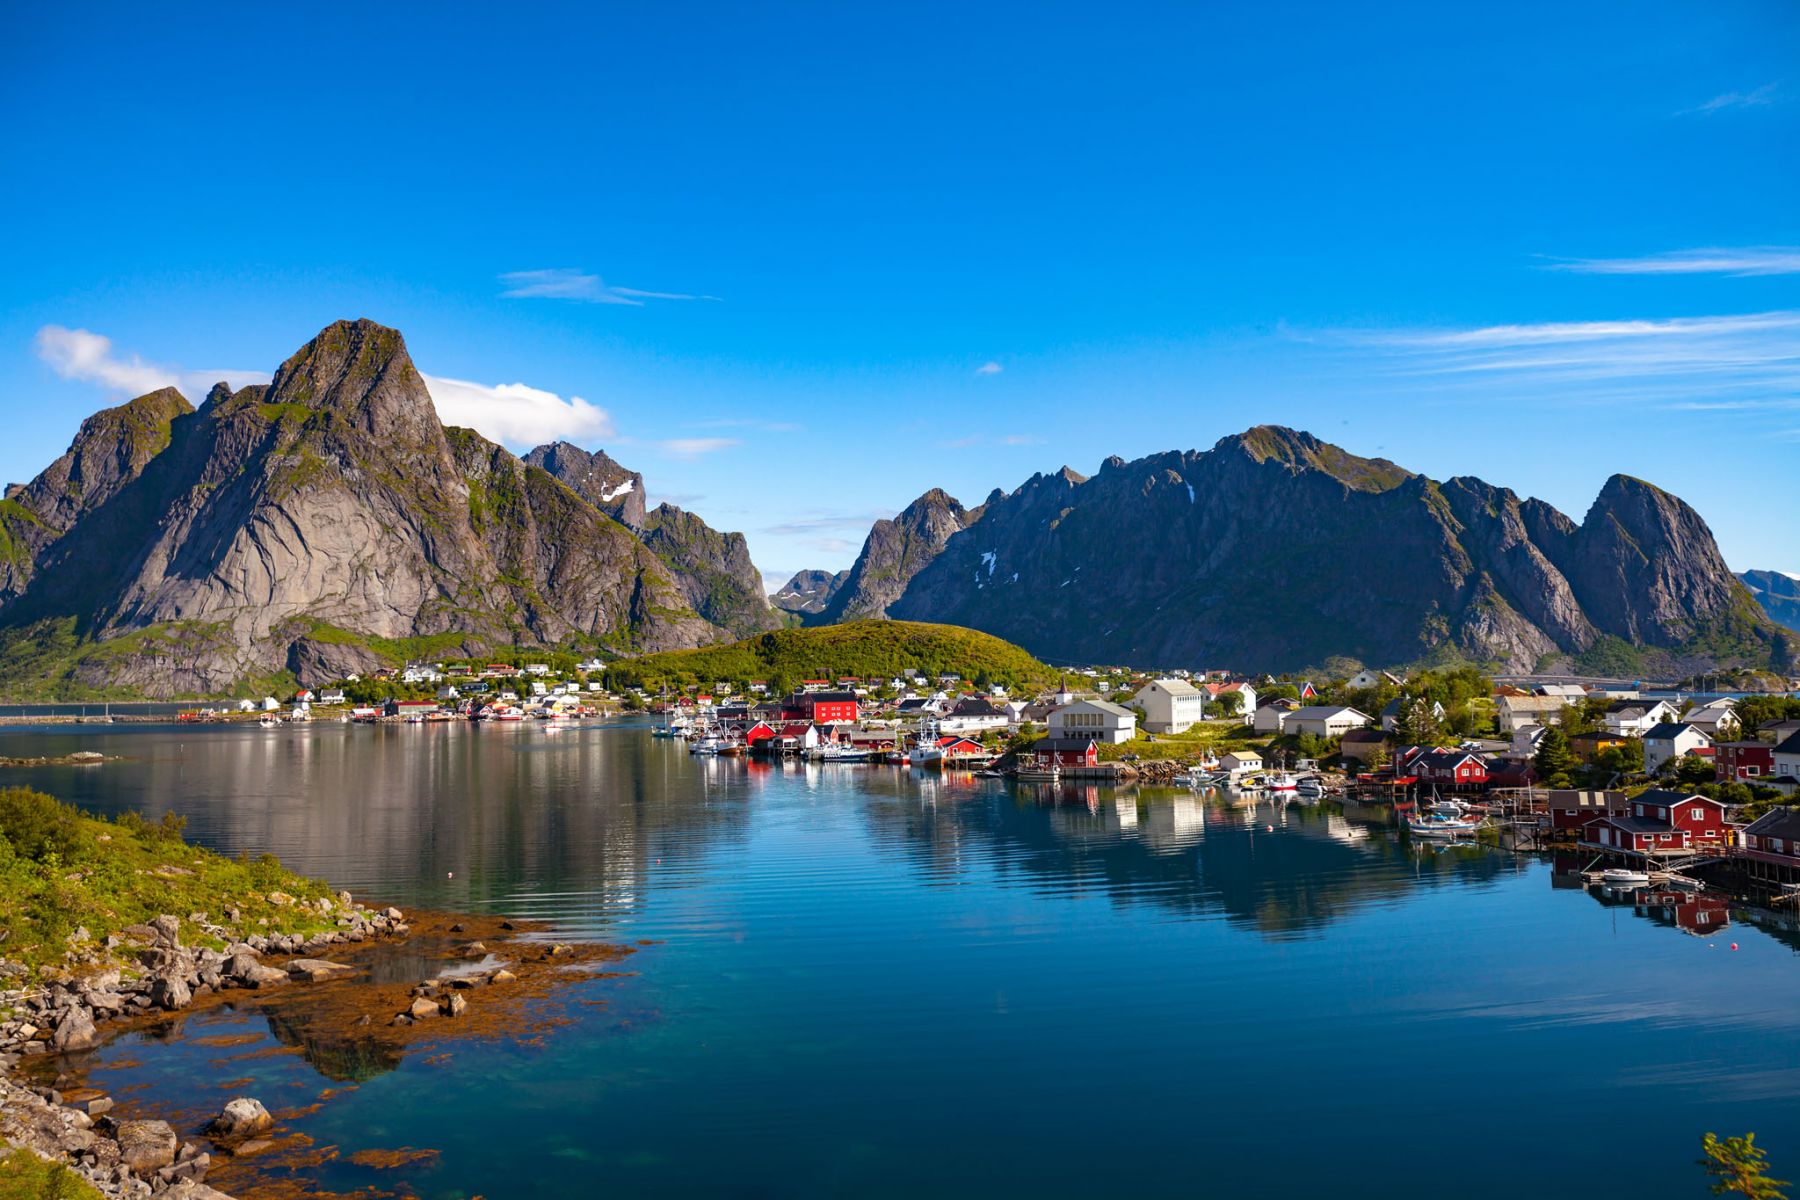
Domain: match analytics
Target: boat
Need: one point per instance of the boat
(1624, 877)
(1039, 774)
(832, 752)
(1281, 781)
(1429, 826)
(927, 756)
(269, 722)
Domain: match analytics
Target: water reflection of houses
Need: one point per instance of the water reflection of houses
(1285, 871)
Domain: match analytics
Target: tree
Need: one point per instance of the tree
(1554, 759)
(1738, 1167)
(1229, 703)
(1691, 769)
(1418, 723)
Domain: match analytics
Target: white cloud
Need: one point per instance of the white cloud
(1754, 98)
(568, 283)
(1747, 260)
(517, 414)
(88, 356)
(989, 368)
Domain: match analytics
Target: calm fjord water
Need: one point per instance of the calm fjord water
(868, 982)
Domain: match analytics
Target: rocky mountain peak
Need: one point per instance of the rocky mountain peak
(1299, 452)
(360, 370)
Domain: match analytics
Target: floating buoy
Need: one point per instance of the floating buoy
(1734, 945)
(450, 874)
(1268, 829)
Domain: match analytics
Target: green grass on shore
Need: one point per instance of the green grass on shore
(62, 872)
(25, 1176)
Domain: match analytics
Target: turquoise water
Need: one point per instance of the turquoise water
(868, 982)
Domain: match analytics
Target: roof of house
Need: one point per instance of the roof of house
(1324, 712)
(1668, 731)
(975, 706)
(1392, 707)
(1280, 702)
(1640, 824)
(1105, 706)
(1533, 703)
(1791, 746)
(1081, 744)
(1669, 797)
(1174, 687)
(1777, 822)
(1620, 707)
(1361, 737)
(831, 697)
(1571, 798)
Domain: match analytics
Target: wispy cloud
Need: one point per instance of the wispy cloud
(517, 414)
(1750, 359)
(1742, 261)
(748, 423)
(568, 283)
(827, 522)
(1759, 97)
(989, 368)
(691, 448)
(89, 357)
(985, 439)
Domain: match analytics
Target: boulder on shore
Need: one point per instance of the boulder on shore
(75, 1031)
(317, 970)
(146, 1146)
(242, 1117)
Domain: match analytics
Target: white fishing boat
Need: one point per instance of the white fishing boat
(832, 752)
(1429, 826)
(927, 756)
(1624, 877)
(1281, 781)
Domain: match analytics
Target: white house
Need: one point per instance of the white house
(1093, 721)
(1244, 692)
(592, 664)
(1240, 762)
(1717, 719)
(1325, 720)
(1170, 705)
(331, 696)
(1669, 741)
(1515, 712)
(271, 704)
(1366, 678)
(1635, 718)
(1271, 717)
(537, 668)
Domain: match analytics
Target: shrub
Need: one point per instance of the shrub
(38, 827)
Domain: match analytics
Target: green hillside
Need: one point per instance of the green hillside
(866, 649)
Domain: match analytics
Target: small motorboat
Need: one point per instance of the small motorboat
(1624, 877)
(1441, 827)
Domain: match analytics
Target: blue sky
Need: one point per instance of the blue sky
(800, 262)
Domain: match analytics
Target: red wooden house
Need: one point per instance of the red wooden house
(827, 708)
(1773, 838)
(1571, 810)
(1066, 752)
(758, 732)
(1735, 762)
(1450, 768)
(1664, 820)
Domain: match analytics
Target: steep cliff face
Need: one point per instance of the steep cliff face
(712, 569)
(808, 592)
(596, 478)
(1274, 550)
(893, 553)
(1779, 595)
(288, 526)
(111, 450)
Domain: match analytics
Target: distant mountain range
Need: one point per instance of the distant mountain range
(1276, 551)
(328, 522)
(1779, 594)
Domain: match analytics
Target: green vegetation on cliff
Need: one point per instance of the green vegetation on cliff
(865, 649)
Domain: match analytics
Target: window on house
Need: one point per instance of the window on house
(1699, 814)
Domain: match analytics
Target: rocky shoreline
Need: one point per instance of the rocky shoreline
(149, 971)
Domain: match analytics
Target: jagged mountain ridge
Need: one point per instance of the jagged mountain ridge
(808, 592)
(1274, 550)
(1778, 592)
(292, 526)
(895, 551)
